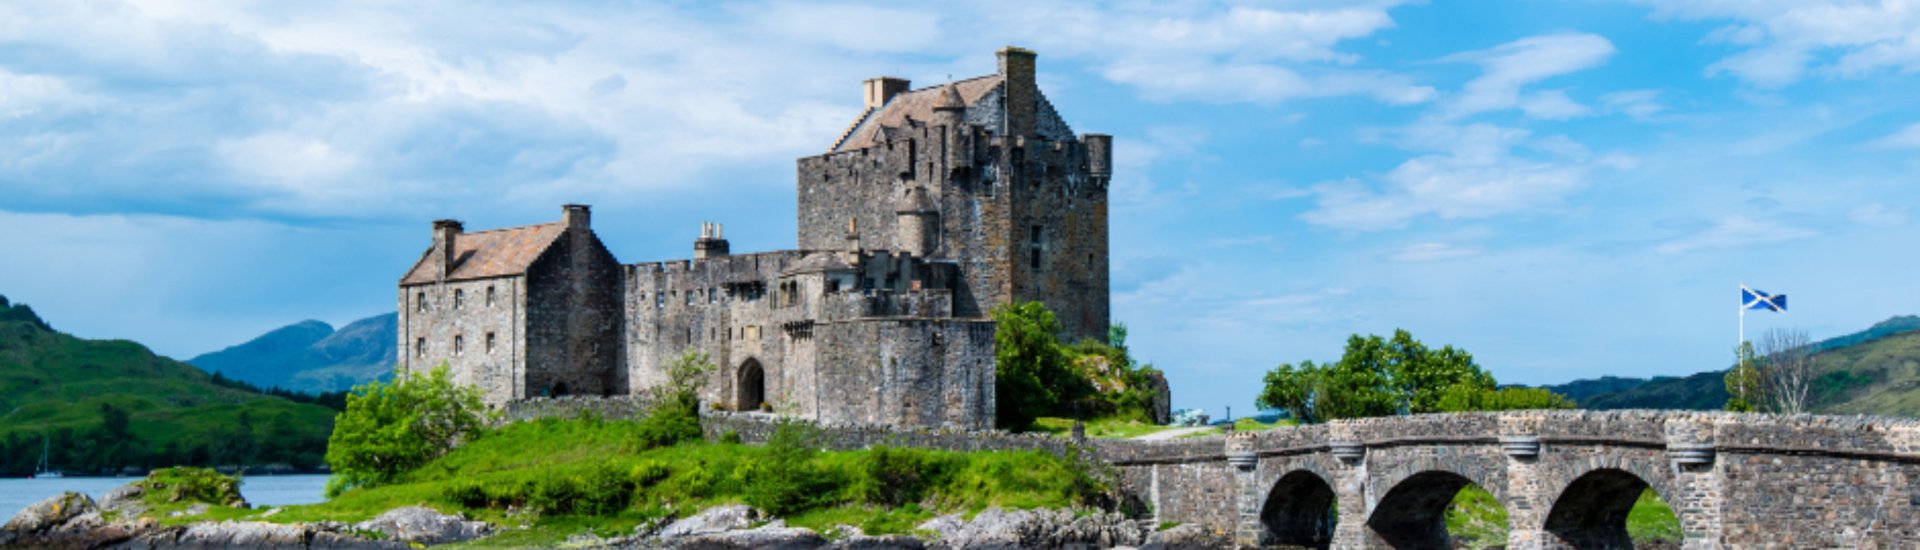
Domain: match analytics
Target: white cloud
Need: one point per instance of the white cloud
(1904, 138)
(1478, 174)
(1639, 104)
(1787, 38)
(1432, 252)
(1878, 215)
(1733, 232)
(1509, 67)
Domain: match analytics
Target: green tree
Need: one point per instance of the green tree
(1466, 398)
(1381, 377)
(1033, 371)
(390, 428)
(1744, 384)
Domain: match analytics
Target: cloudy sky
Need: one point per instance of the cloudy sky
(1566, 189)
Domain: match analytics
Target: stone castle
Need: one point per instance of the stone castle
(932, 208)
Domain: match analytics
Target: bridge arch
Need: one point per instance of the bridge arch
(1591, 511)
(1299, 511)
(1412, 512)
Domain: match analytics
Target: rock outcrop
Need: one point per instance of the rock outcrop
(425, 526)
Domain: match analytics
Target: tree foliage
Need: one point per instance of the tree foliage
(1387, 376)
(1787, 375)
(1032, 370)
(1745, 389)
(390, 428)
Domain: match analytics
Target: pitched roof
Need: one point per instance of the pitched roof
(916, 105)
(494, 253)
(818, 262)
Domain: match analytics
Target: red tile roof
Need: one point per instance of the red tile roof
(914, 105)
(484, 254)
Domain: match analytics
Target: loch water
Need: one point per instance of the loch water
(16, 493)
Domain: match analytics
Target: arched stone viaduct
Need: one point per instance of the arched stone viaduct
(1566, 479)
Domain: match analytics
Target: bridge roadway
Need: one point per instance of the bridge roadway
(1566, 479)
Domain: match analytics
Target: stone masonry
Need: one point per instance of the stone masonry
(935, 206)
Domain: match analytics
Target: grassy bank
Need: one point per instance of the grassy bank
(1476, 520)
(548, 480)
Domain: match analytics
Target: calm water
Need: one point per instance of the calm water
(16, 494)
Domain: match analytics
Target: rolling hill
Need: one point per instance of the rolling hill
(310, 356)
(67, 392)
(1874, 371)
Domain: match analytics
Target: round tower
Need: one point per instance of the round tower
(914, 226)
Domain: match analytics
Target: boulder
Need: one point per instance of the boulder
(772, 536)
(1186, 537)
(425, 526)
(718, 519)
(125, 498)
(243, 534)
(46, 514)
(881, 542)
(997, 528)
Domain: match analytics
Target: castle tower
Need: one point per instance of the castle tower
(916, 223)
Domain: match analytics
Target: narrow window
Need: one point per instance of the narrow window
(489, 295)
(489, 342)
(420, 301)
(458, 296)
(1036, 258)
(420, 348)
(458, 345)
(1036, 235)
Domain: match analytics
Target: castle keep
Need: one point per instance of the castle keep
(932, 208)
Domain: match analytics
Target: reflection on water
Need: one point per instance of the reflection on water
(16, 494)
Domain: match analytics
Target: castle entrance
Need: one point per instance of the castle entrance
(750, 389)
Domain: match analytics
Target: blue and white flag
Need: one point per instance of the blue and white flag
(1754, 299)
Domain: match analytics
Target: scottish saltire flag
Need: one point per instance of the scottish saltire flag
(1754, 299)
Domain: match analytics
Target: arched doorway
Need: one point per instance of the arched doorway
(1593, 511)
(1413, 514)
(1299, 512)
(750, 388)
(558, 389)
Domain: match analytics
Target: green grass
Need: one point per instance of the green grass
(503, 476)
(1106, 428)
(1652, 519)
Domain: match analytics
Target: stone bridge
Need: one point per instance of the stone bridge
(1566, 479)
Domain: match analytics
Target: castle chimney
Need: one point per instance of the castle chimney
(1099, 156)
(444, 233)
(1016, 70)
(575, 216)
(710, 244)
(880, 89)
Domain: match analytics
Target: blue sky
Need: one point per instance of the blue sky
(1566, 189)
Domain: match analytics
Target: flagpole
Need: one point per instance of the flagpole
(1743, 319)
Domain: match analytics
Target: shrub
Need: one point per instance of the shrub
(666, 425)
(390, 428)
(187, 484)
(895, 477)
(787, 482)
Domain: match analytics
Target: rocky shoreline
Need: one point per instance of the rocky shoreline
(74, 520)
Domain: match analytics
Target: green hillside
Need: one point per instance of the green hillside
(110, 404)
(1875, 371)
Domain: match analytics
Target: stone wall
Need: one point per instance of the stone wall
(906, 372)
(574, 319)
(433, 316)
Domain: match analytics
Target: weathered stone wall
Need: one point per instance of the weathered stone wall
(619, 407)
(574, 319)
(430, 322)
(905, 372)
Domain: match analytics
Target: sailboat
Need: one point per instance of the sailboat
(43, 471)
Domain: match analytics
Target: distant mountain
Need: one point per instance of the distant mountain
(105, 404)
(310, 356)
(1874, 371)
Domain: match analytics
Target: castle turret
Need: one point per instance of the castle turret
(444, 233)
(712, 242)
(950, 113)
(1099, 157)
(915, 225)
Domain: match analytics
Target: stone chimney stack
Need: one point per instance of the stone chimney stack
(880, 89)
(576, 216)
(712, 242)
(1016, 69)
(444, 233)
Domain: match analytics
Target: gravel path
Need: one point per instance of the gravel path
(1170, 434)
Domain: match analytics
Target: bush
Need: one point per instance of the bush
(787, 482)
(666, 425)
(390, 428)
(895, 477)
(187, 484)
